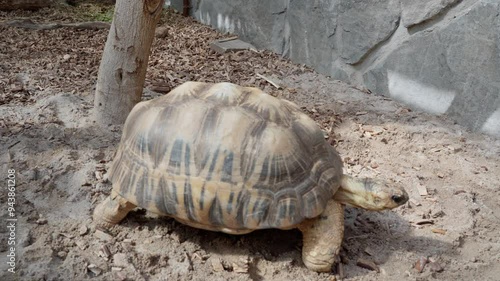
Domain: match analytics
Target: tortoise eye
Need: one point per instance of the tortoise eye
(398, 199)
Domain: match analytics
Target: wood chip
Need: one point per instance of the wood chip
(161, 31)
(217, 265)
(415, 202)
(340, 271)
(368, 264)
(98, 175)
(422, 190)
(81, 244)
(420, 264)
(438, 214)
(369, 251)
(103, 235)
(273, 81)
(120, 260)
(94, 269)
(67, 235)
(228, 39)
(373, 130)
(242, 265)
(439, 231)
(106, 251)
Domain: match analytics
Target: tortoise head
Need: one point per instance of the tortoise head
(370, 194)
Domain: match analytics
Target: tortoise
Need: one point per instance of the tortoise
(234, 159)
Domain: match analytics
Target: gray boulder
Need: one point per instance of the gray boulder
(455, 69)
(364, 24)
(415, 12)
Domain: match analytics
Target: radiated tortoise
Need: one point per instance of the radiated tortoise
(234, 159)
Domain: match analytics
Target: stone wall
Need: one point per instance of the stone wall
(440, 56)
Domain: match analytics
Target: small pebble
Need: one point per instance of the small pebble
(435, 267)
(62, 254)
(83, 230)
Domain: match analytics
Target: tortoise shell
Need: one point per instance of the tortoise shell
(225, 157)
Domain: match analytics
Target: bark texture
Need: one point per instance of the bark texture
(123, 66)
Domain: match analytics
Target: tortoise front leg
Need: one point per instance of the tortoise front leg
(322, 238)
(113, 209)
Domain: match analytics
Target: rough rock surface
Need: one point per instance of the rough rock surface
(438, 56)
(364, 24)
(415, 12)
(455, 69)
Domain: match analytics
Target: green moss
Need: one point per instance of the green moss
(96, 12)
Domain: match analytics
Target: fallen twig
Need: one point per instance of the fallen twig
(274, 82)
(29, 24)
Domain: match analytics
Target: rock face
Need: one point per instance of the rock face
(364, 24)
(440, 56)
(415, 12)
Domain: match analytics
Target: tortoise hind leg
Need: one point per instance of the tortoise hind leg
(113, 209)
(322, 238)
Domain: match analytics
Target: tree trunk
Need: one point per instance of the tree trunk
(6, 5)
(125, 59)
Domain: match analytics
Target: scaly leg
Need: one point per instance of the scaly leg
(322, 238)
(112, 210)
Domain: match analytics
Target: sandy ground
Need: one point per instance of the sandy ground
(449, 230)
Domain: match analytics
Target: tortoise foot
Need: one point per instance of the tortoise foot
(322, 238)
(112, 210)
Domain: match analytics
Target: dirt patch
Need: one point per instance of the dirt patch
(448, 230)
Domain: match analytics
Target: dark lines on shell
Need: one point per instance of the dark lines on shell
(203, 163)
(165, 199)
(241, 205)
(244, 94)
(227, 168)
(264, 172)
(173, 191)
(229, 207)
(188, 201)
(153, 139)
(278, 172)
(175, 161)
(260, 210)
(187, 159)
(142, 192)
(141, 144)
(202, 196)
(250, 143)
(215, 213)
(213, 164)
